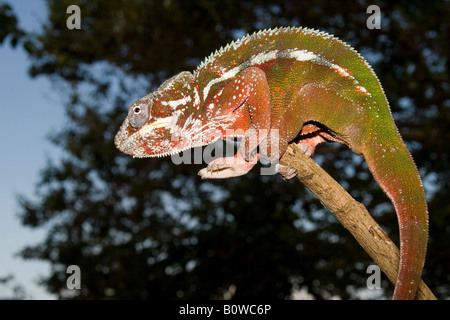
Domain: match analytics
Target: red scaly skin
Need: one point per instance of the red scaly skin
(281, 86)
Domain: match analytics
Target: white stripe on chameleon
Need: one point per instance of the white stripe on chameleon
(263, 57)
(175, 103)
(227, 75)
(260, 58)
(148, 128)
(255, 60)
(303, 55)
(196, 98)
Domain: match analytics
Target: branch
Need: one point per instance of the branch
(351, 214)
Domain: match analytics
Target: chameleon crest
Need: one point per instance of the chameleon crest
(281, 86)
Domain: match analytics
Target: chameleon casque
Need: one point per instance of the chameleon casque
(292, 85)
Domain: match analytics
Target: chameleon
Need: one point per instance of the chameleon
(276, 87)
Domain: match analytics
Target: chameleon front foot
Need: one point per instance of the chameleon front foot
(221, 171)
(227, 167)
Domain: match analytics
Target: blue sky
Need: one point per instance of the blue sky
(30, 110)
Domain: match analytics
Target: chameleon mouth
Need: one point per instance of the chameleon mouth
(129, 143)
(122, 136)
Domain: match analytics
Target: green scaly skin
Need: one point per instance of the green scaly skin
(281, 86)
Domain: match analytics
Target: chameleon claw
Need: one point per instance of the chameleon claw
(285, 171)
(306, 148)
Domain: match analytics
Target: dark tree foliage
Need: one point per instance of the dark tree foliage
(9, 27)
(146, 228)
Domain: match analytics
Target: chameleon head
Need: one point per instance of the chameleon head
(151, 126)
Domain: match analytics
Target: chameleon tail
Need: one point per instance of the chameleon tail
(393, 168)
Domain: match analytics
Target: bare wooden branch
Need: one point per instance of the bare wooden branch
(351, 214)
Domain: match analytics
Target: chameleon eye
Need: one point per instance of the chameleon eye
(138, 115)
(137, 110)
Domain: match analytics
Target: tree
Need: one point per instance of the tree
(9, 29)
(15, 291)
(150, 229)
